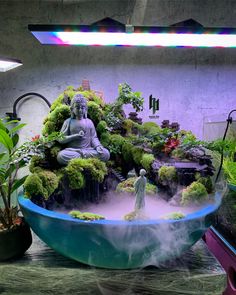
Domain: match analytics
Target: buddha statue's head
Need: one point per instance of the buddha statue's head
(78, 107)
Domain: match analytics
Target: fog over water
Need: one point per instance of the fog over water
(114, 206)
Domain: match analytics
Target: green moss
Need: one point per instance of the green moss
(49, 127)
(49, 180)
(166, 174)
(91, 96)
(127, 152)
(128, 186)
(95, 112)
(54, 151)
(150, 128)
(102, 127)
(146, 162)
(105, 139)
(77, 167)
(115, 143)
(128, 125)
(207, 182)
(33, 186)
(41, 183)
(137, 153)
(175, 216)
(55, 119)
(195, 193)
(35, 163)
(85, 215)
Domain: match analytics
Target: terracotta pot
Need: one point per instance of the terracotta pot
(14, 242)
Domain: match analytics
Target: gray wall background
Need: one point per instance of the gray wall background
(192, 84)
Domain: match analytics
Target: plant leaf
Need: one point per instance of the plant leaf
(18, 183)
(2, 126)
(15, 139)
(17, 128)
(6, 140)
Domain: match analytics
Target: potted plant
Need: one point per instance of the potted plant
(15, 234)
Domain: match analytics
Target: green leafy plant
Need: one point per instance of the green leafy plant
(229, 167)
(9, 167)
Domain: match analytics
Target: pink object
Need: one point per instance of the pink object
(226, 255)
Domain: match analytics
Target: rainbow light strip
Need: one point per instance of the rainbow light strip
(168, 37)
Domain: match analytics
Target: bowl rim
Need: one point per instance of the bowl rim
(26, 203)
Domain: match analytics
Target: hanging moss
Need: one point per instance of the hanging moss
(195, 193)
(146, 161)
(76, 169)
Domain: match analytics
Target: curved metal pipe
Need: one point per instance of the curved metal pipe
(229, 121)
(13, 116)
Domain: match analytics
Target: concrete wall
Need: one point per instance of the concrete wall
(190, 83)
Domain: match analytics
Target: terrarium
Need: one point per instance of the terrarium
(109, 190)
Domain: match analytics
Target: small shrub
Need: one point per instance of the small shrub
(195, 193)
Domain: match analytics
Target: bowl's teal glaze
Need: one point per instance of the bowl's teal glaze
(118, 244)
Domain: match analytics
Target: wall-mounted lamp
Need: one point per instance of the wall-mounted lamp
(7, 64)
(108, 32)
(13, 115)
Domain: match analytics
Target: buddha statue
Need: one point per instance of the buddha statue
(80, 137)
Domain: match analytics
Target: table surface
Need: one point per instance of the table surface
(42, 271)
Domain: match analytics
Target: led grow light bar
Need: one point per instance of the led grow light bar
(141, 36)
(7, 64)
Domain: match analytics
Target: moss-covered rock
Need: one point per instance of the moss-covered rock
(85, 215)
(167, 174)
(174, 216)
(137, 153)
(41, 183)
(207, 182)
(33, 186)
(195, 193)
(77, 168)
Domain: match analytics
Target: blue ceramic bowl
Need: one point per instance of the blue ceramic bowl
(118, 244)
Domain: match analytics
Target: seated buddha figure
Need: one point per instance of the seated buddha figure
(80, 137)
